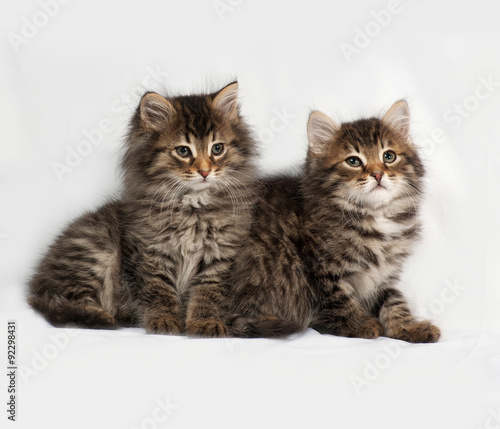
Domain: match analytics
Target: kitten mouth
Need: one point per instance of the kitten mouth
(378, 187)
(202, 184)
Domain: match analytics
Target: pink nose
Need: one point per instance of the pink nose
(204, 173)
(378, 176)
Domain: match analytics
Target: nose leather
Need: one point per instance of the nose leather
(378, 175)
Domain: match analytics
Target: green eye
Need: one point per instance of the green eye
(389, 157)
(217, 148)
(354, 161)
(183, 151)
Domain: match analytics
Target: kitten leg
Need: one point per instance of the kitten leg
(206, 309)
(62, 312)
(76, 281)
(161, 307)
(264, 327)
(399, 323)
(341, 313)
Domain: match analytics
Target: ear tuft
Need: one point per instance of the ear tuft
(226, 101)
(156, 111)
(321, 130)
(398, 118)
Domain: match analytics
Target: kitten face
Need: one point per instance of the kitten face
(369, 162)
(198, 155)
(194, 142)
(200, 163)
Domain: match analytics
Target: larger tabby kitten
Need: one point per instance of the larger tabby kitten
(159, 257)
(327, 248)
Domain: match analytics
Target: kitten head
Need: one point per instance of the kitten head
(369, 162)
(189, 143)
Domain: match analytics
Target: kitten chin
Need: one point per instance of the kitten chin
(198, 185)
(377, 195)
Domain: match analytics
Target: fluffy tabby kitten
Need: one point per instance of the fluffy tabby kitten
(327, 248)
(159, 257)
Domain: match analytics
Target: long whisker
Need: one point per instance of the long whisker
(236, 194)
(224, 186)
(177, 191)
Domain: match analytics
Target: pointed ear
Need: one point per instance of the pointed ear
(398, 118)
(321, 130)
(156, 111)
(226, 101)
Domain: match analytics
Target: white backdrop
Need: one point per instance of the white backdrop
(71, 74)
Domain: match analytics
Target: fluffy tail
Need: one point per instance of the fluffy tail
(263, 328)
(60, 312)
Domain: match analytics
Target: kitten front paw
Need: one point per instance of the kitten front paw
(369, 328)
(417, 332)
(208, 328)
(165, 325)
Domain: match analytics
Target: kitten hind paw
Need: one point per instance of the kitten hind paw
(98, 318)
(417, 332)
(164, 325)
(208, 328)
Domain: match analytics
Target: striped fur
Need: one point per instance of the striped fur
(327, 248)
(159, 257)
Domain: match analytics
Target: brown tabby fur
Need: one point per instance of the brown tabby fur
(159, 257)
(327, 248)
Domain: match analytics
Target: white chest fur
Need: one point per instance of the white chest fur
(197, 238)
(389, 254)
(367, 281)
(387, 226)
(193, 243)
(196, 200)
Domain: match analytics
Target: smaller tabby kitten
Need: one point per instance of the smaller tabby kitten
(160, 256)
(327, 248)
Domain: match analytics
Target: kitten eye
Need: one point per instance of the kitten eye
(354, 161)
(217, 149)
(183, 151)
(389, 157)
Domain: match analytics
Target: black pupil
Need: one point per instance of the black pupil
(217, 149)
(353, 161)
(183, 151)
(388, 156)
